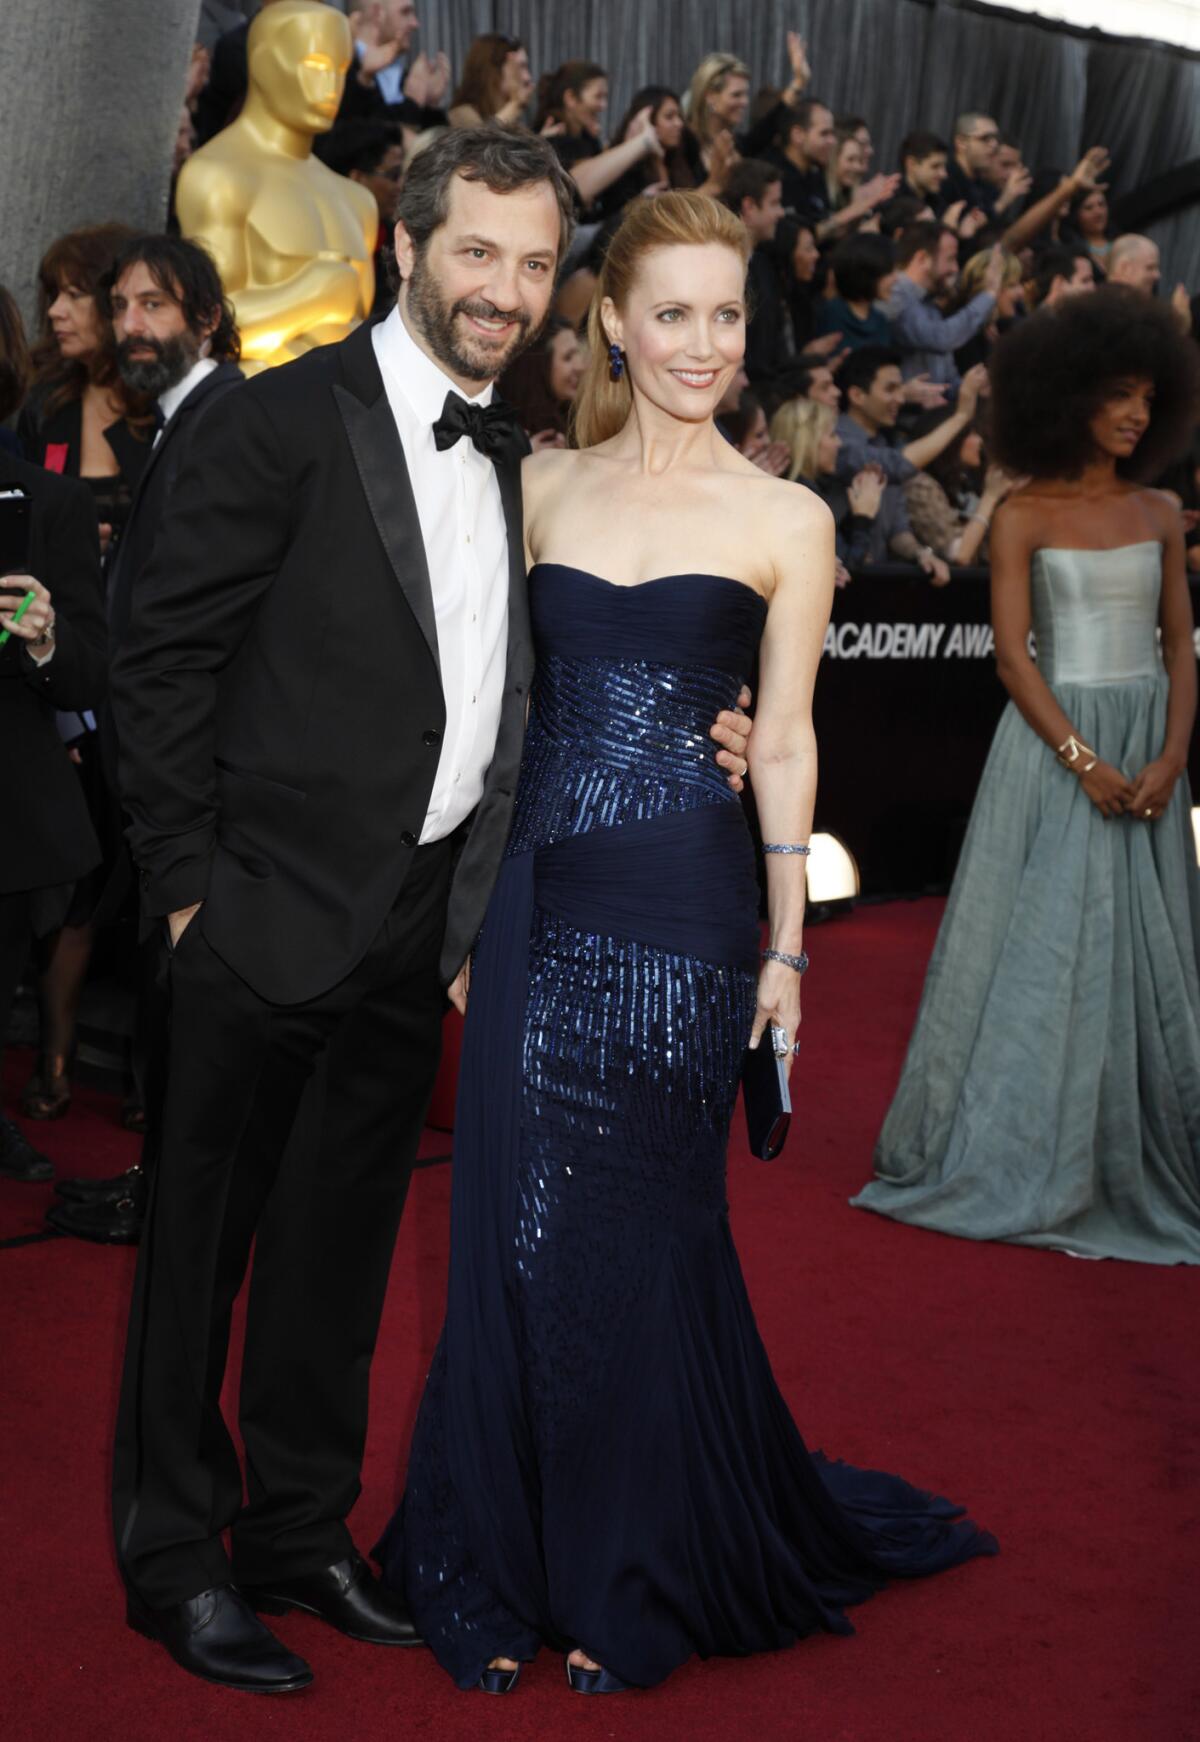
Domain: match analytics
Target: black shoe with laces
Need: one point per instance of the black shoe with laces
(218, 1637)
(94, 1191)
(347, 1596)
(107, 1221)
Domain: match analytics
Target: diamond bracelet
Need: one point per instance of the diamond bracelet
(776, 847)
(799, 963)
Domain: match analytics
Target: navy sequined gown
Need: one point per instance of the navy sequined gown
(601, 1456)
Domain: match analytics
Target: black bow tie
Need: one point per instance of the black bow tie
(494, 428)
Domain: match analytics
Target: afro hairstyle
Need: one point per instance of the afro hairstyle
(1053, 372)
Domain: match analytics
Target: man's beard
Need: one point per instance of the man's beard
(152, 376)
(435, 319)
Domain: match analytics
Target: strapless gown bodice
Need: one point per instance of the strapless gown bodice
(1095, 613)
(629, 681)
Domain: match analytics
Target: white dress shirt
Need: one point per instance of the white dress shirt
(170, 401)
(466, 547)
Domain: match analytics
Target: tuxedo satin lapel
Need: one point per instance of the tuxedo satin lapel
(520, 647)
(379, 457)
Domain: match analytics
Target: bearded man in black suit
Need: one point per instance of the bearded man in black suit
(177, 345)
(320, 703)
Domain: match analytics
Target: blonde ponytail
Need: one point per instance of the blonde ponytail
(670, 220)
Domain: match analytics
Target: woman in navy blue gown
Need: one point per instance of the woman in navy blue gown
(602, 1461)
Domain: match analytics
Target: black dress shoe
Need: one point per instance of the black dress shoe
(108, 1222)
(217, 1637)
(18, 1158)
(94, 1191)
(347, 1595)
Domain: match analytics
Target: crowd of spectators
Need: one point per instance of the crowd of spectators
(876, 293)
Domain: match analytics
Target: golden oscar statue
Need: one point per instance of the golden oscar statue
(294, 242)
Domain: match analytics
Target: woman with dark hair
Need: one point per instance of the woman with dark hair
(794, 248)
(1089, 219)
(78, 419)
(864, 270)
(1051, 1094)
(496, 84)
(681, 164)
(53, 658)
(570, 112)
(541, 385)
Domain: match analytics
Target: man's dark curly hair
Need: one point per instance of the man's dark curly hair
(1053, 372)
(187, 272)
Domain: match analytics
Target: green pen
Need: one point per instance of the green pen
(20, 611)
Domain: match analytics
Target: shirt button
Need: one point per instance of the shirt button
(473, 699)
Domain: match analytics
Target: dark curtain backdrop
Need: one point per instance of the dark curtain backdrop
(901, 63)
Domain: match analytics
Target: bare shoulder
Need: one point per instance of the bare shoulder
(789, 513)
(544, 470)
(1162, 508)
(1021, 516)
(789, 535)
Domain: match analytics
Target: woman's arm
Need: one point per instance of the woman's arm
(923, 449)
(1153, 787)
(1014, 539)
(783, 747)
(593, 174)
(1086, 174)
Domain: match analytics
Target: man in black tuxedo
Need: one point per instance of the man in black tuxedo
(177, 344)
(320, 705)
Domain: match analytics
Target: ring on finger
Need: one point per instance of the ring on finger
(779, 1041)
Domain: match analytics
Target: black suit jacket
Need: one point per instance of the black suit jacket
(146, 514)
(153, 495)
(277, 697)
(47, 836)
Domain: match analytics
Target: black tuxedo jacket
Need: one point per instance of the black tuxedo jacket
(146, 514)
(46, 836)
(153, 495)
(277, 695)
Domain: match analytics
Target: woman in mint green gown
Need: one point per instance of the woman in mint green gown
(1051, 1092)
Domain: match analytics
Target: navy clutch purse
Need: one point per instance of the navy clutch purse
(766, 1099)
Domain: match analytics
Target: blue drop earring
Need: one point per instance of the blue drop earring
(616, 362)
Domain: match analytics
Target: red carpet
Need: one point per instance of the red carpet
(1058, 1398)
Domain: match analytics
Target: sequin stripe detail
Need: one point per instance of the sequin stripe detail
(613, 741)
(631, 1063)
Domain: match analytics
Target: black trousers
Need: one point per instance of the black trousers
(295, 1129)
(16, 935)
